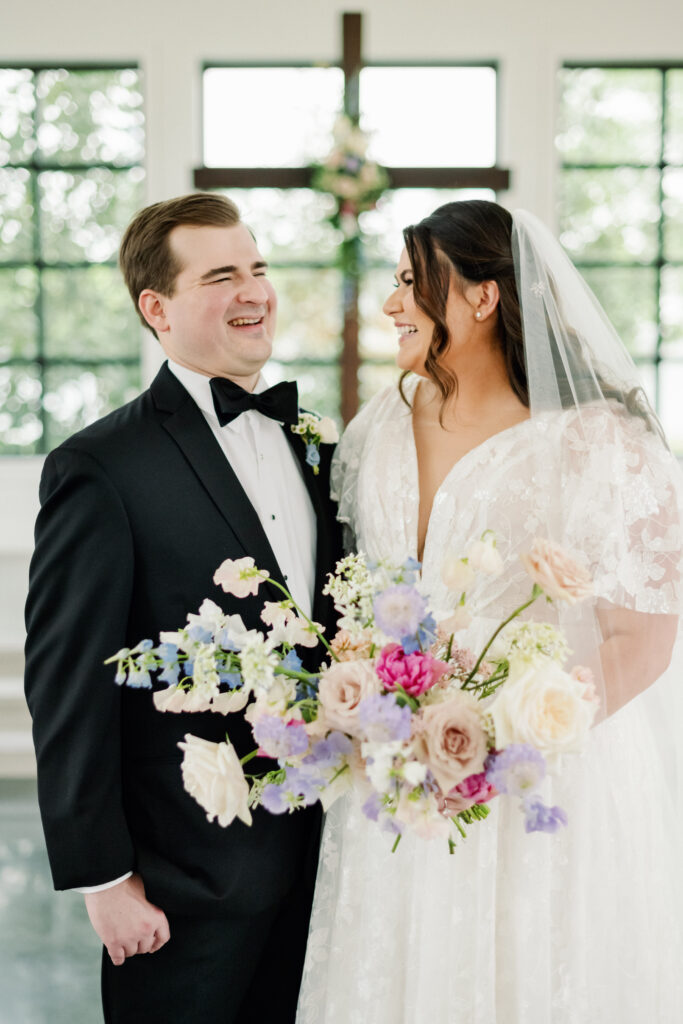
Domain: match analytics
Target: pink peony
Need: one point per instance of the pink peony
(415, 672)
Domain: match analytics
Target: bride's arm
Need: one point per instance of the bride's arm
(636, 650)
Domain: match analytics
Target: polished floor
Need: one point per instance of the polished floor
(49, 955)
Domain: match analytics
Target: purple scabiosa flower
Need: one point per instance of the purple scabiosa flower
(329, 752)
(540, 818)
(383, 720)
(399, 610)
(517, 770)
(278, 738)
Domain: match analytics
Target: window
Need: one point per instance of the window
(621, 212)
(71, 177)
(295, 109)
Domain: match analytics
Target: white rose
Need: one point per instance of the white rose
(457, 574)
(213, 775)
(541, 705)
(327, 429)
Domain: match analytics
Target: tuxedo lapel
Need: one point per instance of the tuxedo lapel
(317, 488)
(190, 431)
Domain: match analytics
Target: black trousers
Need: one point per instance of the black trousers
(223, 970)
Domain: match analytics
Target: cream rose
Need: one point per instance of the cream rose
(451, 740)
(213, 775)
(327, 429)
(544, 706)
(556, 572)
(342, 688)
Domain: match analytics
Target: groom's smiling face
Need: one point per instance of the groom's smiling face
(220, 319)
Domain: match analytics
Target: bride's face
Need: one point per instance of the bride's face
(415, 328)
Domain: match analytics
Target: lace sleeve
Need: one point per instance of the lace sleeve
(348, 456)
(626, 512)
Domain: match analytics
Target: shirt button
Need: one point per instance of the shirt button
(272, 516)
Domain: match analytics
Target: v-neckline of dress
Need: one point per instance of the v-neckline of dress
(457, 465)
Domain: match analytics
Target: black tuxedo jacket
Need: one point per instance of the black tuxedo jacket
(137, 512)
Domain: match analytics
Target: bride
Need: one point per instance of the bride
(519, 412)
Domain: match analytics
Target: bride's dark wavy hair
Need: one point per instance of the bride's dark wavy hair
(474, 238)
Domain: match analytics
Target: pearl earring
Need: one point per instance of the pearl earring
(478, 315)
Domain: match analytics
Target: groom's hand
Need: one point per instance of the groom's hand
(126, 921)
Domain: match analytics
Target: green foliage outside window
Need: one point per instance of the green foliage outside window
(71, 177)
(621, 211)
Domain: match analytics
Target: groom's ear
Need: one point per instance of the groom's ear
(152, 306)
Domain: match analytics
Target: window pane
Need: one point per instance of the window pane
(451, 114)
(309, 319)
(88, 313)
(17, 103)
(83, 215)
(16, 212)
(18, 291)
(629, 297)
(674, 135)
(378, 339)
(610, 215)
(20, 425)
(673, 214)
(397, 209)
(610, 115)
(90, 117)
(670, 405)
(290, 110)
(289, 224)
(77, 395)
(318, 385)
(672, 311)
(373, 378)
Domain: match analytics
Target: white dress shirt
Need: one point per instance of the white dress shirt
(267, 469)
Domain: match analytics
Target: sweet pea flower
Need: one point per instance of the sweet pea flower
(239, 576)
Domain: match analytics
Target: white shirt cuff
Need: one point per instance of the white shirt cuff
(105, 885)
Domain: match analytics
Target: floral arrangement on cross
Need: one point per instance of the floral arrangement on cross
(425, 730)
(355, 181)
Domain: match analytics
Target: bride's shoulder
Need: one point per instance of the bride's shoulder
(385, 405)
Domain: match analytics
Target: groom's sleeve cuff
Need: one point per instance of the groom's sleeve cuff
(105, 885)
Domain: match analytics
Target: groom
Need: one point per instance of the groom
(138, 510)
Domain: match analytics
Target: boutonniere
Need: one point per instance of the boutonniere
(315, 430)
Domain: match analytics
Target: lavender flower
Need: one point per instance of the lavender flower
(517, 770)
(540, 818)
(372, 806)
(279, 738)
(329, 753)
(383, 720)
(399, 611)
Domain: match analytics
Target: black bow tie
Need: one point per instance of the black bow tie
(281, 402)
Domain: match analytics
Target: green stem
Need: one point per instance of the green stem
(249, 757)
(397, 841)
(303, 615)
(535, 594)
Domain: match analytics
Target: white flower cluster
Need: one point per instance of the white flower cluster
(528, 642)
(352, 589)
(318, 429)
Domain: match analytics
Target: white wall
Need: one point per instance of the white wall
(170, 40)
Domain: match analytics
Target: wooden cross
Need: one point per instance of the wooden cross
(494, 178)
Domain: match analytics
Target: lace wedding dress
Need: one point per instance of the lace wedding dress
(581, 927)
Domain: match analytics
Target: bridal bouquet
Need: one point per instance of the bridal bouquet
(425, 729)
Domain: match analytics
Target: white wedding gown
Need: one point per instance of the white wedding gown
(581, 927)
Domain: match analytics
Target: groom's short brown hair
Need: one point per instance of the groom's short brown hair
(146, 257)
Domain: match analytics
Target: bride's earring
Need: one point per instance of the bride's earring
(478, 314)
